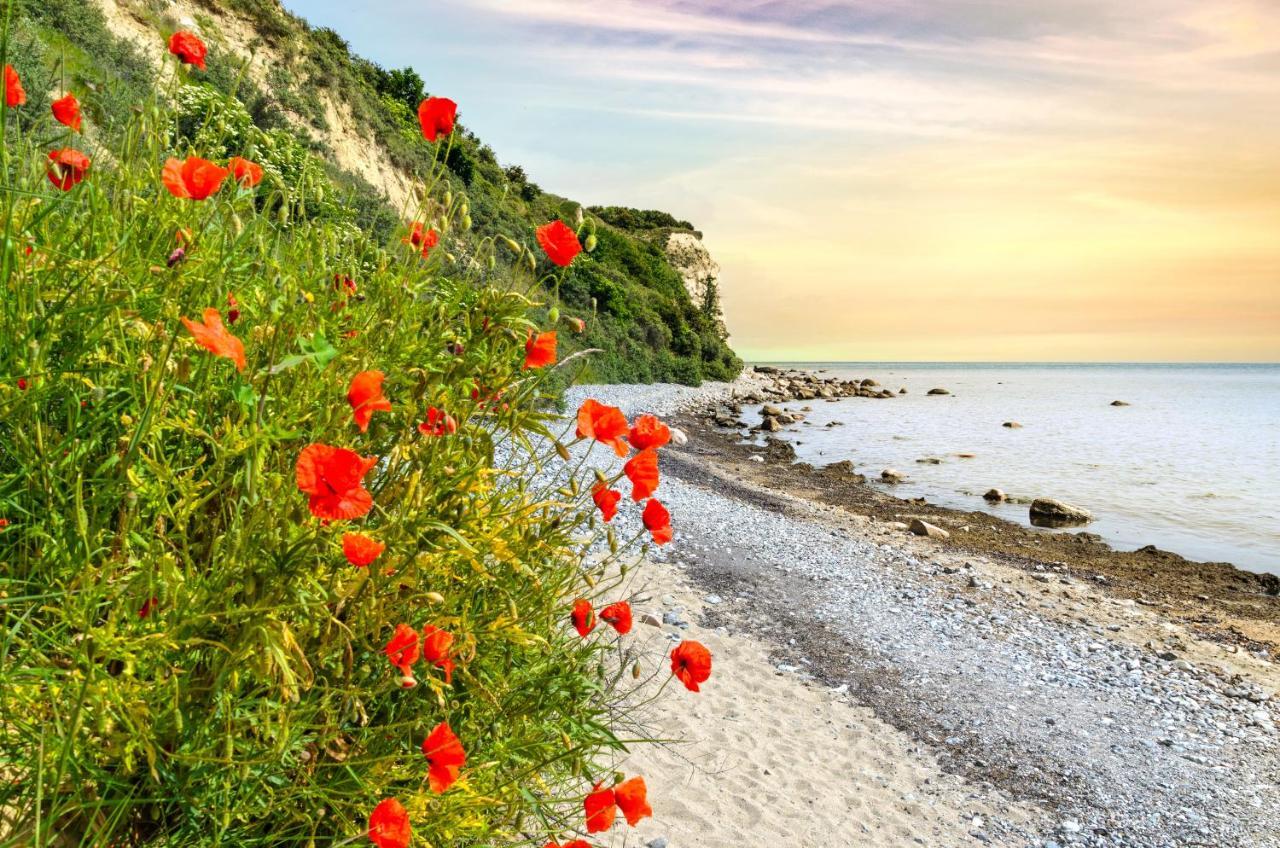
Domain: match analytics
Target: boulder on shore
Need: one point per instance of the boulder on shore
(1049, 512)
(995, 496)
(891, 475)
(924, 528)
(938, 391)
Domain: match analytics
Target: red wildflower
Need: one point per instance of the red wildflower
(601, 808)
(658, 522)
(437, 116)
(579, 326)
(333, 478)
(606, 500)
(438, 423)
(649, 432)
(583, 617)
(233, 307)
(605, 424)
(215, 338)
(618, 616)
(14, 93)
(642, 471)
(67, 167)
(436, 644)
(366, 398)
(148, 606)
(244, 172)
(188, 48)
(421, 239)
(360, 550)
(559, 242)
(192, 178)
(445, 757)
(631, 797)
(540, 350)
(22, 384)
(691, 664)
(389, 825)
(66, 111)
(404, 650)
(577, 843)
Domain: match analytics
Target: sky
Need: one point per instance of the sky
(1028, 180)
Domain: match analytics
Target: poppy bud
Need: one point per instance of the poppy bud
(635, 671)
(590, 581)
(613, 541)
(554, 314)
(560, 449)
(435, 597)
(493, 262)
(283, 214)
(408, 682)
(237, 226)
(590, 244)
(600, 478)
(533, 263)
(568, 743)
(574, 488)
(511, 244)
(466, 222)
(448, 198)
(577, 216)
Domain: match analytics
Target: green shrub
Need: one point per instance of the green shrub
(186, 658)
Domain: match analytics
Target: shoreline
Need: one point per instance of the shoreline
(1245, 605)
(1067, 710)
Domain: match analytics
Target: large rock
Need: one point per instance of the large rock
(938, 391)
(1049, 512)
(995, 496)
(1119, 403)
(770, 424)
(891, 475)
(769, 410)
(1012, 425)
(924, 528)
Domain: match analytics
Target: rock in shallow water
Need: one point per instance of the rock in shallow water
(939, 391)
(1050, 512)
(995, 496)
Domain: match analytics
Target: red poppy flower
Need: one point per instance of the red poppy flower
(389, 825)
(403, 650)
(244, 172)
(642, 471)
(215, 338)
(631, 797)
(691, 664)
(192, 178)
(540, 350)
(618, 616)
(649, 432)
(333, 478)
(233, 307)
(437, 116)
(605, 424)
(601, 808)
(436, 644)
(559, 242)
(66, 111)
(583, 617)
(577, 843)
(606, 500)
(14, 93)
(360, 550)
(366, 398)
(445, 757)
(438, 423)
(189, 48)
(22, 384)
(148, 606)
(421, 239)
(658, 522)
(67, 167)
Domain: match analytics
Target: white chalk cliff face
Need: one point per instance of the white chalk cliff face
(352, 149)
(690, 257)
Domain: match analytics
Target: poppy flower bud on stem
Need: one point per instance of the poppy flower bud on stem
(562, 451)
(435, 597)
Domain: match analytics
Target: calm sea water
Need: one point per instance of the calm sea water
(1191, 466)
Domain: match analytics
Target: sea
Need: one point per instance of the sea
(1191, 464)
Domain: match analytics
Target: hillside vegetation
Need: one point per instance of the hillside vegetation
(298, 94)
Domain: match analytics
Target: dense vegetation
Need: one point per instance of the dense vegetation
(633, 301)
(290, 548)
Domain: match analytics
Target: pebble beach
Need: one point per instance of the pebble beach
(875, 687)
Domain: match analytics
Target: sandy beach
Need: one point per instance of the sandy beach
(877, 688)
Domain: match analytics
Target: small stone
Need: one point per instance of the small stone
(1012, 425)
(938, 391)
(924, 528)
(650, 619)
(660, 842)
(713, 599)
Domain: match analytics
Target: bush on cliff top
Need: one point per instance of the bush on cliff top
(201, 578)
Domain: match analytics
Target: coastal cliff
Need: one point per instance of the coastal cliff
(296, 98)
